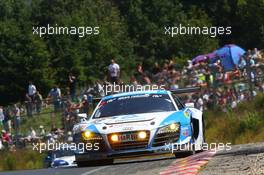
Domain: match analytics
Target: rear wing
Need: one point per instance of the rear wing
(179, 92)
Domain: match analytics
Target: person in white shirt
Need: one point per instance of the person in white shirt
(114, 72)
(32, 90)
(2, 116)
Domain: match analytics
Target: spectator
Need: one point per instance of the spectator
(141, 75)
(7, 120)
(84, 105)
(69, 138)
(31, 90)
(6, 139)
(17, 118)
(200, 103)
(38, 101)
(156, 69)
(29, 105)
(99, 88)
(114, 72)
(55, 95)
(32, 136)
(42, 131)
(250, 68)
(72, 86)
(2, 116)
(256, 54)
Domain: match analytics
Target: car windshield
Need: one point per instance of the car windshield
(134, 104)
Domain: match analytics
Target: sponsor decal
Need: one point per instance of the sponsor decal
(127, 128)
(187, 113)
(185, 131)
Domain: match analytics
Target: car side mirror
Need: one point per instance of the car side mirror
(189, 105)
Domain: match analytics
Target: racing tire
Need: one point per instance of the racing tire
(199, 151)
(204, 139)
(192, 151)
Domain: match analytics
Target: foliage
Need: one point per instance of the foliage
(131, 31)
(21, 159)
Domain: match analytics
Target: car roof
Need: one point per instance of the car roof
(123, 94)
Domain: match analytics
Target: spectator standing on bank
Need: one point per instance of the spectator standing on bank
(55, 95)
(7, 120)
(29, 105)
(2, 116)
(72, 86)
(114, 72)
(32, 90)
(17, 118)
(38, 101)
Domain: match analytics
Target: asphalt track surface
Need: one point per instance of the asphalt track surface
(241, 159)
(140, 166)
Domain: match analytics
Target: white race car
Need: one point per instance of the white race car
(138, 123)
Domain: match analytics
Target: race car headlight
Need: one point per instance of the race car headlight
(114, 138)
(142, 135)
(173, 127)
(88, 135)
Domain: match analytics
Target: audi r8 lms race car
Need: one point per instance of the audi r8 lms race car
(138, 123)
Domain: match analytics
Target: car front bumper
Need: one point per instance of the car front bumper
(170, 148)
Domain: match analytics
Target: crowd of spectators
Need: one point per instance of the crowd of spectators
(224, 89)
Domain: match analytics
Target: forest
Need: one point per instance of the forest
(131, 32)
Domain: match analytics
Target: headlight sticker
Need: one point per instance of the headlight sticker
(185, 131)
(187, 113)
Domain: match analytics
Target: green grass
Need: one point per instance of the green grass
(242, 125)
(21, 159)
(46, 118)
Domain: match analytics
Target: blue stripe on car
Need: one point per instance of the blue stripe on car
(92, 128)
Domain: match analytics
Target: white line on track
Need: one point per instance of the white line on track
(94, 170)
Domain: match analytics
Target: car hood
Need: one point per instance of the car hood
(134, 122)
